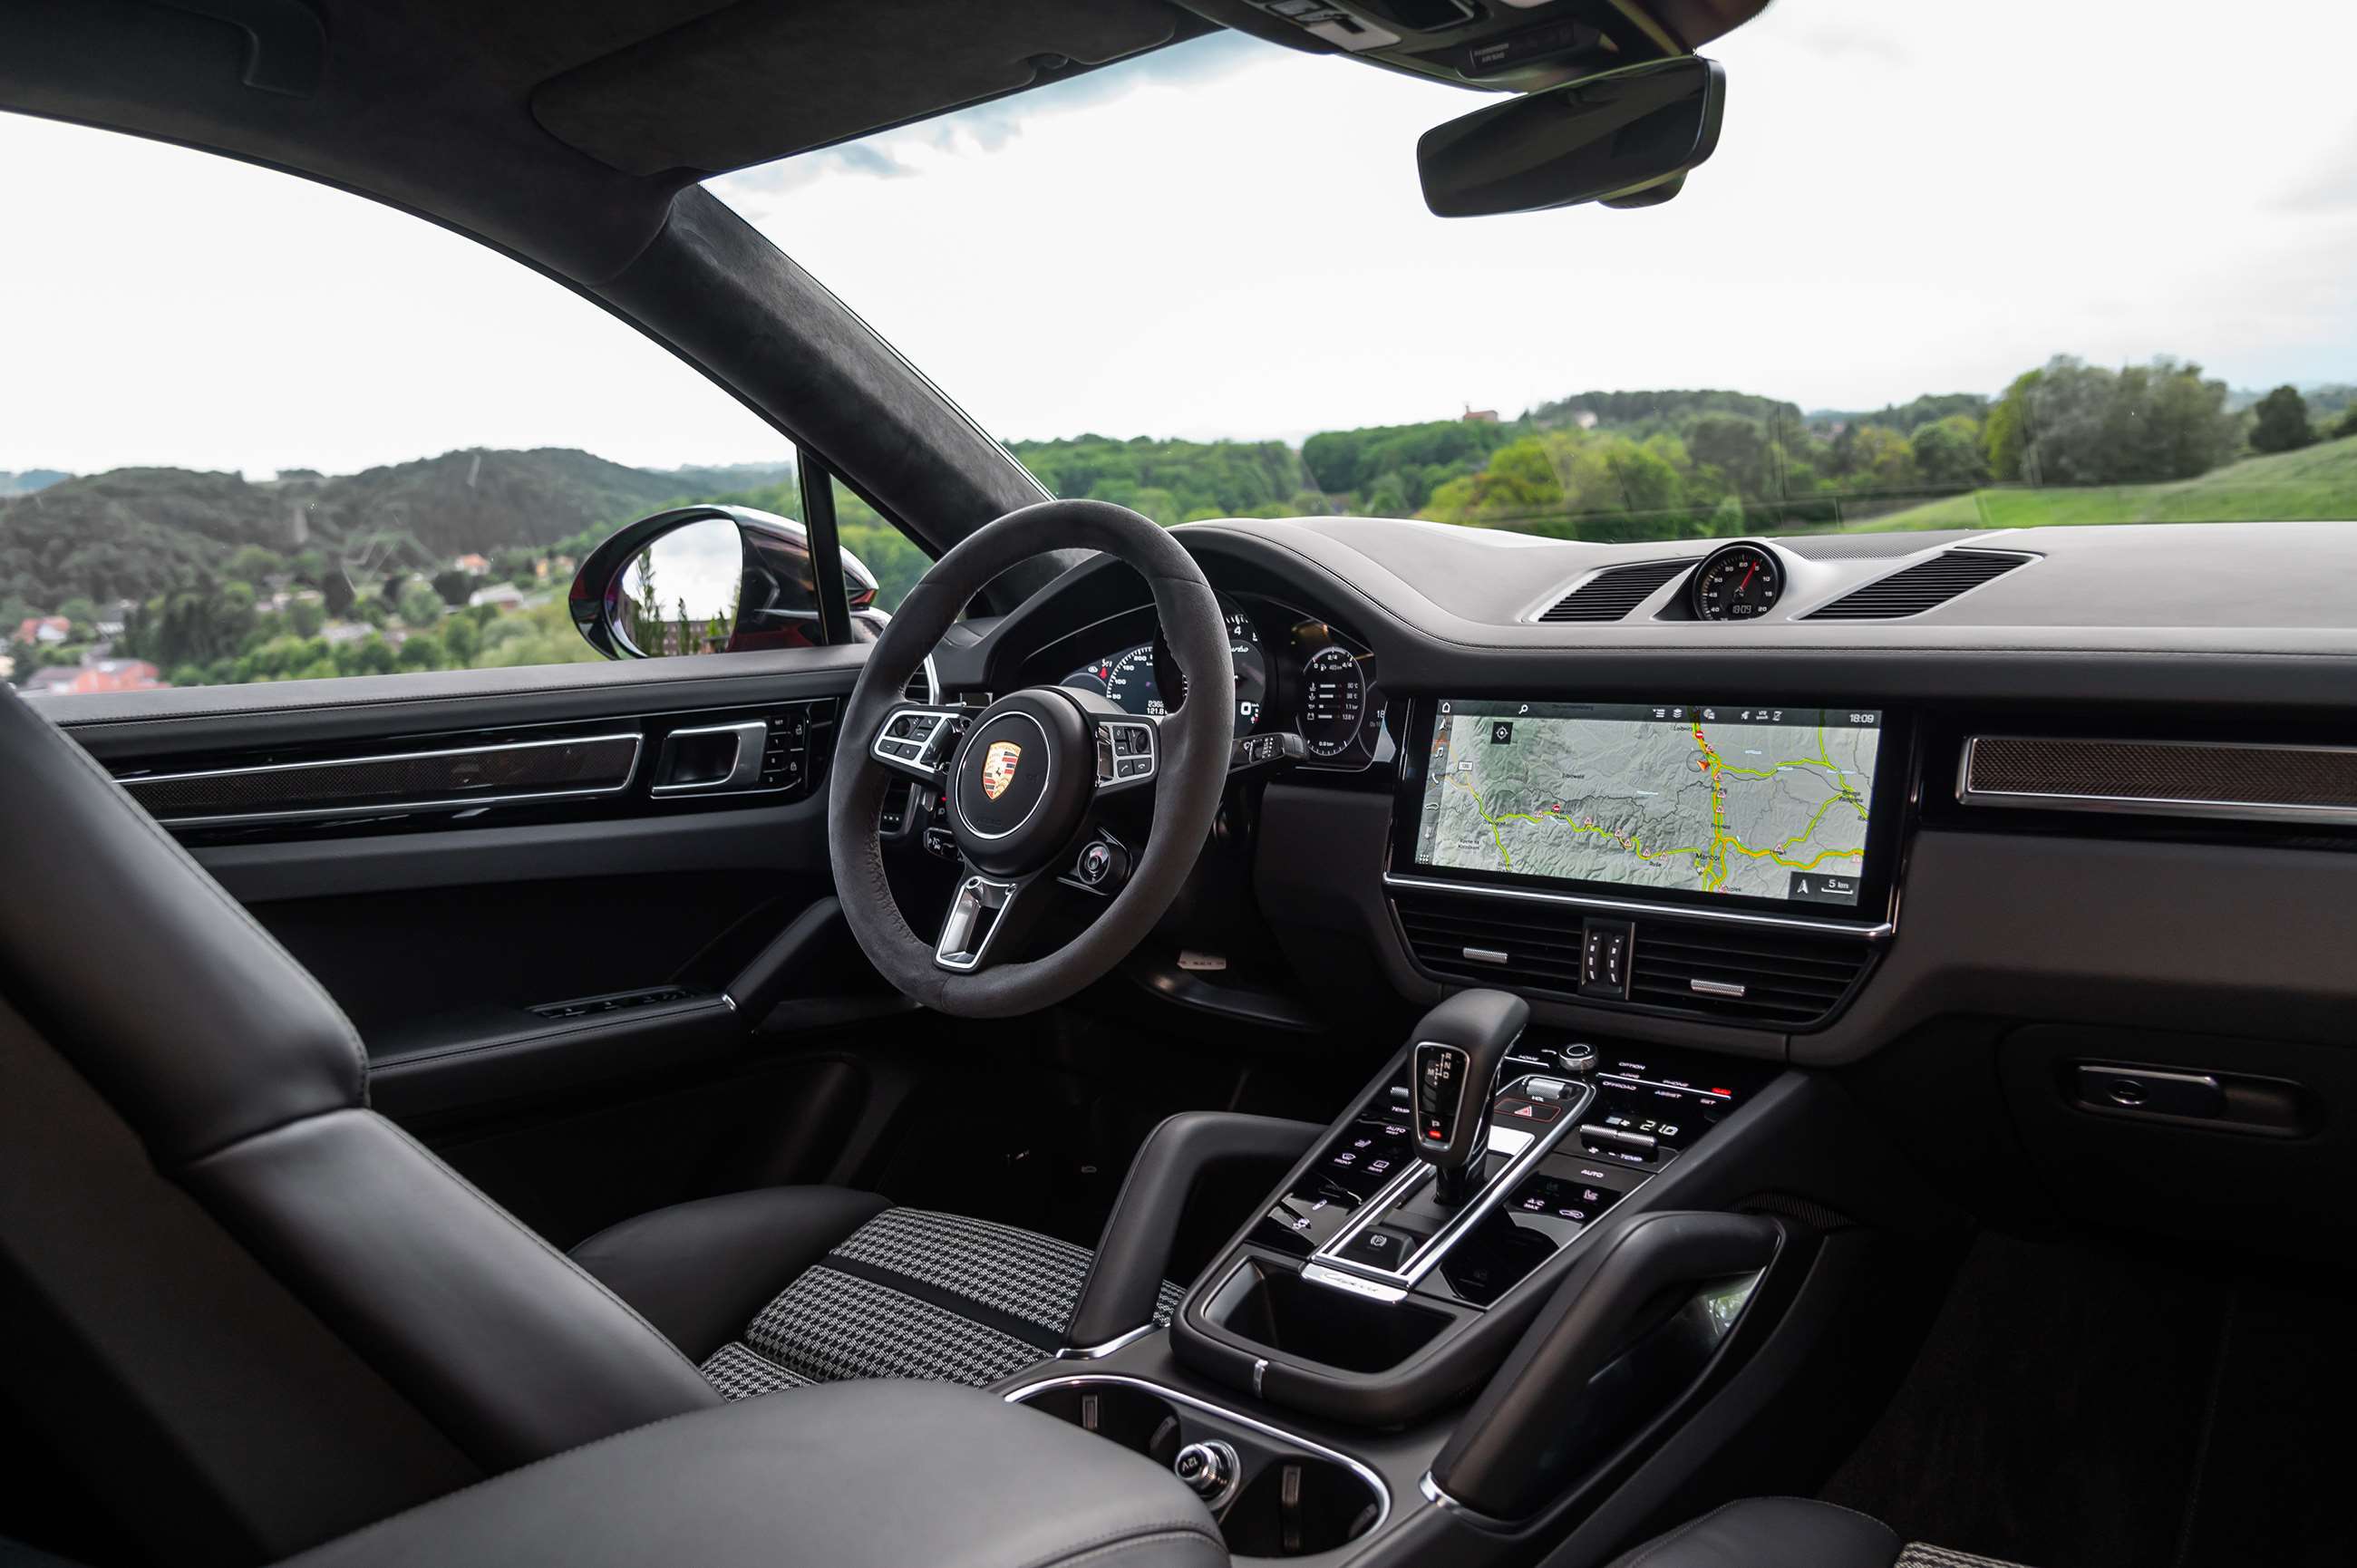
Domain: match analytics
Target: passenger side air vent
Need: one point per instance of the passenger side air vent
(1738, 973)
(1613, 593)
(1923, 586)
(1743, 974)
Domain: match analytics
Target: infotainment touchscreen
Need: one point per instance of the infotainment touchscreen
(1736, 801)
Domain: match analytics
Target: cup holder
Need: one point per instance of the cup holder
(1296, 1505)
(1288, 1497)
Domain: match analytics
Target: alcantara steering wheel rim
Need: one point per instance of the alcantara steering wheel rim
(1190, 768)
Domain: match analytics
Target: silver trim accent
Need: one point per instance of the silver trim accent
(1521, 1159)
(1373, 1482)
(1110, 758)
(740, 777)
(1875, 932)
(1716, 987)
(1099, 1352)
(1487, 1523)
(1334, 1279)
(1046, 779)
(394, 808)
(1487, 955)
(2153, 806)
(974, 895)
(933, 682)
(1260, 1374)
(926, 765)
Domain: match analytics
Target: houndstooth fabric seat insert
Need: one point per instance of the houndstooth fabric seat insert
(915, 1293)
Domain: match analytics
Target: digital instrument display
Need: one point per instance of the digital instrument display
(1736, 801)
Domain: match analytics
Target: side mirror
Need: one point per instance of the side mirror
(1626, 139)
(710, 579)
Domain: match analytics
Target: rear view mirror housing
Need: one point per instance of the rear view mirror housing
(1625, 138)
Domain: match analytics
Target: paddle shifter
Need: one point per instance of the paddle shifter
(1458, 1047)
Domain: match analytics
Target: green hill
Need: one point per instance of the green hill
(2315, 482)
(135, 532)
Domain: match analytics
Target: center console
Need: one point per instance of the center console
(1425, 1239)
(1381, 1283)
(1537, 1274)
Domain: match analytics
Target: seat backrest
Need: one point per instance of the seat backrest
(217, 1263)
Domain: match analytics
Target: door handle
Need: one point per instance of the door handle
(711, 760)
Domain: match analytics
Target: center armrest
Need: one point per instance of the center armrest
(858, 1474)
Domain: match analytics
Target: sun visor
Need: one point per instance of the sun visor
(756, 82)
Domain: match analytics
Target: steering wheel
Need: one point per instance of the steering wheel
(1026, 777)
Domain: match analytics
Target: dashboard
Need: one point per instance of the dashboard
(1293, 672)
(1788, 796)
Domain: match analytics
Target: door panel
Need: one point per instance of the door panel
(524, 968)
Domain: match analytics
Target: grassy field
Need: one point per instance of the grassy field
(2319, 481)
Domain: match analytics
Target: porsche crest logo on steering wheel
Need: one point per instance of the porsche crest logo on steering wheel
(998, 765)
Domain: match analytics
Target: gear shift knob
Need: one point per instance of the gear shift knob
(1454, 1067)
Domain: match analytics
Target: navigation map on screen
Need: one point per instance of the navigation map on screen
(1756, 802)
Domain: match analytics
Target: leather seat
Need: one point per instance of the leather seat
(252, 1314)
(1792, 1532)
(784, 1286)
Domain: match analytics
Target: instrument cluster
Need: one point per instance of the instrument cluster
(1293, 671)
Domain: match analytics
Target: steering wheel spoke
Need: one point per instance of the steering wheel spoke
(986, 918)
(917, 741)
(1129, 753)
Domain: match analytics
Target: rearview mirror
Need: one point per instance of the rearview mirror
(1626, 139)
(710, 579)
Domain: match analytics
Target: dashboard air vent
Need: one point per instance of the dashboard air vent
(1738, 973)
(919, 688)
(1613, 593)
(1743, 974)
(1923, 586)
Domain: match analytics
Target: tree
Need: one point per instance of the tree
(421, 650)
(2008, 436)
(1737, 447)
(1948, 453)
(454, 585)
(420, 605)
(336, 592)
(1880, 459)
(2348, 426)
(463, 639)
(255, 563)
(306, 615)
(2280, 424)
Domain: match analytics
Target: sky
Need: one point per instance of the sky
(1227, 240)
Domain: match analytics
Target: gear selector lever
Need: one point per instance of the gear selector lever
(1454, 1067)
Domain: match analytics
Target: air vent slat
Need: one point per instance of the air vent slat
(1613, 593)
(1926, 586)
(1788, 979)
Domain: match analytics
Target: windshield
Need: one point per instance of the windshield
(2008, 266)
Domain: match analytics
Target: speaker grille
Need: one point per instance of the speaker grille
(1924, 587)
(1613, 593)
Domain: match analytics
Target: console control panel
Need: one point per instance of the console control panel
(1646, 1112)
(1369, 1153)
